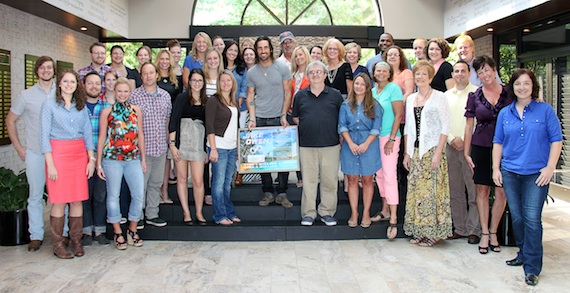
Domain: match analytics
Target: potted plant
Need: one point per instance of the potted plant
(13, 202)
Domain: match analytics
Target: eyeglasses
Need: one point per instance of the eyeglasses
(317, 72)
(332, 49)
(393, 55)
(196, 80)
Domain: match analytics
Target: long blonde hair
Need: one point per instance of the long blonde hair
(171, 73)
(294, 66)
(194, 51)
(233, 91)
(206, 68)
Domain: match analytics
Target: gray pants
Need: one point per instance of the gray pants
(463, 208)
(319, 164)
(152, 182)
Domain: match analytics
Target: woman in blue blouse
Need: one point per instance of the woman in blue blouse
(526, 148)
(66, 141)
(359, 123)
(233, 62)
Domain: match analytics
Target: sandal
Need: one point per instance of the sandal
(236, 220)
(494, 248)
(379, 217)
(484, 250)
(225, 222)
(417, 240)
(429, 242)
(134, 239)
(120, 245)
(392, 231)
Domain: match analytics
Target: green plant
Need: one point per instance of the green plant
(13, 190)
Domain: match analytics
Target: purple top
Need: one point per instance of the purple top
(486, 114)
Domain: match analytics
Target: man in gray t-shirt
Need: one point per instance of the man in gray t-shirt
(268, 100)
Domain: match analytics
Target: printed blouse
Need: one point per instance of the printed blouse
(122, 133)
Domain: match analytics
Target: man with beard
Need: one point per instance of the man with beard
(95, 207)
(268, 100)
(28, 105)
(98, 55)
(288, 43)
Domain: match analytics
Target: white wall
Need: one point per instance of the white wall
(150, 19)
(405, 19)
(23, 33)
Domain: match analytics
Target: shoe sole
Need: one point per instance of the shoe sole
(156, 224)
(329, 223)
(307, 223)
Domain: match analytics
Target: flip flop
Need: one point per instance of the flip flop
(392, 231)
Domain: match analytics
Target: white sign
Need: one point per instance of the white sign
(112, 15)
(464, 15)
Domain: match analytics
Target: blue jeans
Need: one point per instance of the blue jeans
(94, 208)
(114, 172)
(222, 173)
(36, 174)
(526, 200)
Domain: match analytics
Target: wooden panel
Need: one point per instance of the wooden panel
(5, 94)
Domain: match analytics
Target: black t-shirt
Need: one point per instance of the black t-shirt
(443, 74)
(318, 117)
(343, 73)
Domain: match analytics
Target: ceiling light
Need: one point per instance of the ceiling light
(526, 30)
(490, 29)
(83, 28)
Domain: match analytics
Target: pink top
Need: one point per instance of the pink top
(400, 79)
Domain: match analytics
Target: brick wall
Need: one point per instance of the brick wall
(484, 45)
(23, 33)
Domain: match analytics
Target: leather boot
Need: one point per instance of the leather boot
(239, 179)
(75, 234)
(59, 249)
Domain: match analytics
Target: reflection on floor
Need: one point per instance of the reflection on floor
(305, 266)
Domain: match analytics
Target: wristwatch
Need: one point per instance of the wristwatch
(392, 139)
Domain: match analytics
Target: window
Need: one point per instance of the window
(5, 94)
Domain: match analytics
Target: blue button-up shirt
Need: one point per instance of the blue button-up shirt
(526, 140)
(59, 123)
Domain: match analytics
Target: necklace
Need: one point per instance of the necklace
(331, 75)
(266, 70)
(425, 97)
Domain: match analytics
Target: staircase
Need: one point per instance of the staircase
(271, 223)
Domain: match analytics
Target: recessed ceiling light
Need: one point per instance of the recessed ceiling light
(526, 30)
(490, 29)
(83, 28)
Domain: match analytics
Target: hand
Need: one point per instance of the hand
(143, 165)
(406, 162)
(353, 148)
(213, 156)
(435, 160)
(470, 163)
(362, 148)
(497, 177)
(457, 144)
(545, 176)
(250, 124)
(21, 153)
(175, 153)
(90, 169)
(388, 148)
(52, 173)
(284, 122)
(101, 174)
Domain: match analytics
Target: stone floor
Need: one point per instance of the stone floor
(308, 266)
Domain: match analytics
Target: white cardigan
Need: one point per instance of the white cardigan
(434, 122)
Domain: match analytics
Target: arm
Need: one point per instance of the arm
(213, 149)
(185, 75)
(286, 102)
(103, 124)
(449, 83)
(343, 129)
(406, 160)
(438, 151)
(409, 86)
(375, 131)
(398, 108)
(497, 155)
(13, 134)
(467, 141)
(546, 172)
(52, 172)
(443, 110)
(250, 100)
(141, 137)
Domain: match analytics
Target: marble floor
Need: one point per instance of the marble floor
(307, 266)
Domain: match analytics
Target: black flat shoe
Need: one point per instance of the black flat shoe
(515, 262)
(531, 279)
(189, 223)
(202, 223)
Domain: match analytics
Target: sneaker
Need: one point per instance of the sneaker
(282, 200)
(86, 240)
(157, 222)
(140, 225)
(267, 199)
(307, 221)
(101, 239)
(328, 220)
(123, 221)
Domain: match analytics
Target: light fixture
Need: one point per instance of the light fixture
(83, 28)
(526, 30)
(490, 29)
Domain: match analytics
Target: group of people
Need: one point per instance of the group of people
(447, 133)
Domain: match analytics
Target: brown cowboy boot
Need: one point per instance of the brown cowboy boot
(75, 234)
(59, 250)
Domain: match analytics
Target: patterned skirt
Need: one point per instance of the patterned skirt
(428, 209)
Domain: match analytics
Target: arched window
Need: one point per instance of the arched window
(286, 12)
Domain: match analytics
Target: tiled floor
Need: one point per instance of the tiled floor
(312, 266)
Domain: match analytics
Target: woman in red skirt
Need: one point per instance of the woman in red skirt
(67, 144)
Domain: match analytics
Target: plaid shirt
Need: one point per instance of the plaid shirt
(104, 68)
(156, 109)
(94, 118)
